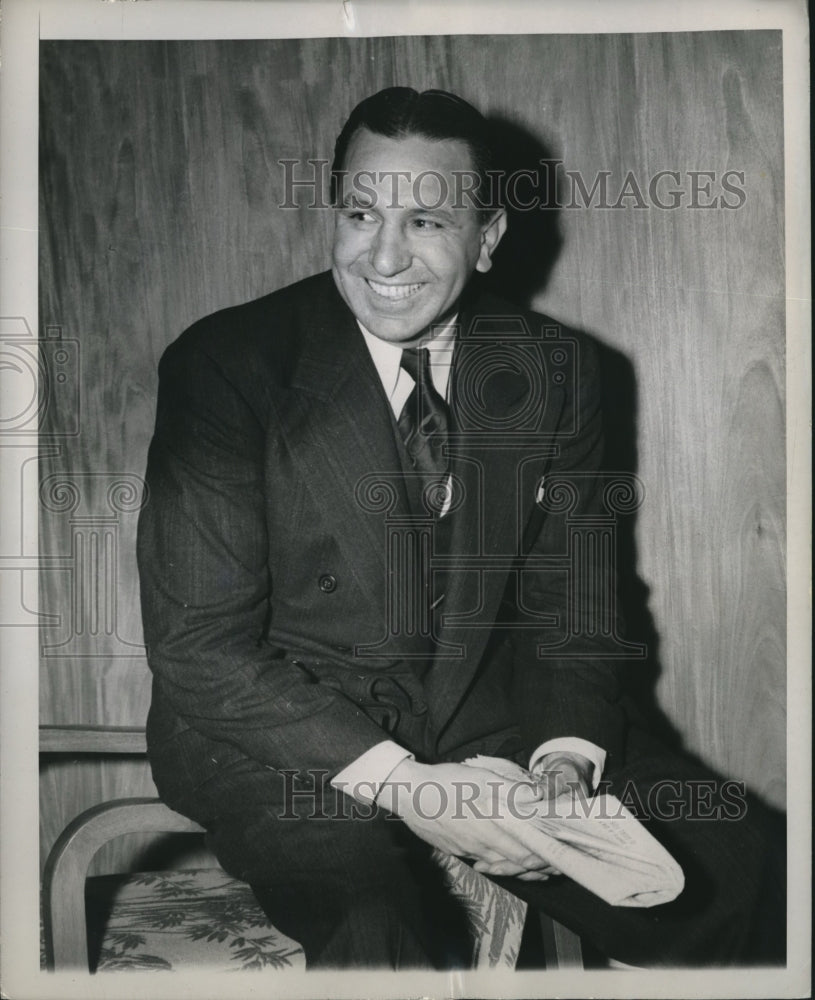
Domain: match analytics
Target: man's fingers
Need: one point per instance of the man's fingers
(507, 868)
(506, 844)
(525, 791)
(510, 843)
(530, 866)
(565, 779)
(497, 868)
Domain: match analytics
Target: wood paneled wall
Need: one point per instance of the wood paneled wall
(160, 193)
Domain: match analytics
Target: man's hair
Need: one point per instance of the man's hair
(398, 112)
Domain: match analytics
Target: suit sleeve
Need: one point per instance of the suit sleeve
(579, 696)
(206, 582)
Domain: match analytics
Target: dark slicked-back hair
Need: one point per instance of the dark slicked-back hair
(398, 112)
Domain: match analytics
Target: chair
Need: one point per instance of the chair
(206, 916)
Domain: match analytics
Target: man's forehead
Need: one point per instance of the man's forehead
(410, 171)
(369, 150)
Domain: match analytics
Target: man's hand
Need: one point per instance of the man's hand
(563, 773)
(557, 774)
(469, 812)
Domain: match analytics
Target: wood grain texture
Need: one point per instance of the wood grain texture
(160, 194)
(93, 739)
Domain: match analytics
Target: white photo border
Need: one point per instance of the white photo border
(24, 24)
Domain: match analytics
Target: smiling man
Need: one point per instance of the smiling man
(406, 246)
(352, 581)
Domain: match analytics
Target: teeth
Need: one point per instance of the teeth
(394, 291)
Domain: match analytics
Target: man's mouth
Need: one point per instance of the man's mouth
(394, 292)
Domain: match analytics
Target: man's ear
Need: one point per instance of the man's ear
(491, 233)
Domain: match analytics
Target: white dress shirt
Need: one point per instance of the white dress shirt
(364, 777)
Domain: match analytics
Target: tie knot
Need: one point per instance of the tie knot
(416, 362)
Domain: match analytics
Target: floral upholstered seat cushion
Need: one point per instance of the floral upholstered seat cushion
(204, 919)
(182, 919)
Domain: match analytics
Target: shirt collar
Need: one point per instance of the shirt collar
(387, 357)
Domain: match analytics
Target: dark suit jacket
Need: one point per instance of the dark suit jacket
(263, 557)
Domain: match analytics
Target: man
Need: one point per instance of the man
(353, 579)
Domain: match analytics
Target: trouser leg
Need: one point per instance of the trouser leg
(733, 878)
(354, 893)
(364, 892)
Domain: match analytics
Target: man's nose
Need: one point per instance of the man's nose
(390, 252)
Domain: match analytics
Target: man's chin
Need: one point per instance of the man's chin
(397, 322)
(392, 332)
(404, 327)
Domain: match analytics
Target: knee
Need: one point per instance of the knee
(262, 849)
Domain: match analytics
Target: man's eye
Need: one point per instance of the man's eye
(359, 215)
(427, 224)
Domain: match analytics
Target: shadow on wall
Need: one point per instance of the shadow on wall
(522, 267)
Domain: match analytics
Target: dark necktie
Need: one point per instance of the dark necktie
(424, 423)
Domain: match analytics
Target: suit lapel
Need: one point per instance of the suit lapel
(336, 422)
(338, 427)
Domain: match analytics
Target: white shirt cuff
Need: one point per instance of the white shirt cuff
(573, 744)
(364, 777)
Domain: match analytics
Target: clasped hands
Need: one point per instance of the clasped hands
(471, 812)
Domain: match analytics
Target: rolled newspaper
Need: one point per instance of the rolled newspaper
(596, 841)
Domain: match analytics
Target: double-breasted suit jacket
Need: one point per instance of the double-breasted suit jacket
(272, 583)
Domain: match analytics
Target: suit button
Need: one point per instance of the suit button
(328, 583)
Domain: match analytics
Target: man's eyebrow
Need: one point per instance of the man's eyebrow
(353, 201)
(437, 211)
(445, 212)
